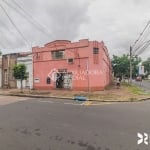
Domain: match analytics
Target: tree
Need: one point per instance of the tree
(121, 65)
(19, 72)
(135, 61)
(146, 65)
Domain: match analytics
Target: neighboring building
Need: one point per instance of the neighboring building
(0, 71)
(26, 59)
(83, 65)
(8, 62)
(148, 77)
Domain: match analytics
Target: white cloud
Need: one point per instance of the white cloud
(117, 22)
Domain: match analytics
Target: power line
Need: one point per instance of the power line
(36, 22)
(22, 13)
(4, 38)
(141, 34)
(140, 46)
(12, 22)
(7, 29)
(143, 40)
(143, 48)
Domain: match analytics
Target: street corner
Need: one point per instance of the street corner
(5, 100)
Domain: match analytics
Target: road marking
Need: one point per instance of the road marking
(101, 104)
(88, 103)
(45, 101)
(73, 104)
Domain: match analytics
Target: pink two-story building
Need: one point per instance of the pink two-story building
(62, 64)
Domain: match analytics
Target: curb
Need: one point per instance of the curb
(69, 98)
(36, 96)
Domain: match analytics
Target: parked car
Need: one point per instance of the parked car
(138, 78)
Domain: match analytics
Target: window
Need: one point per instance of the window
(95, 50)
(37, 56)
(95, 55)
(70, 61)
(48, 80)
(62, 70)
(36, 80)
(58, 54)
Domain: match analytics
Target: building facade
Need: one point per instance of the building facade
(62, 64)
(26, 59)
(8, 62)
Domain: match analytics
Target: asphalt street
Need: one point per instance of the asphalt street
(53, 124)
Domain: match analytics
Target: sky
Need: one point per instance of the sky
(27, 23)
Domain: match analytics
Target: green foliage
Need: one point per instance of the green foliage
(135, 61)
(146, 65)
(121, 65)
(19, 71)
(136, 90)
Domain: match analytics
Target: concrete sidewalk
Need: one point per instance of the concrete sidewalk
(111, 95)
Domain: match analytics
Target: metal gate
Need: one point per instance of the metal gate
(67, 81)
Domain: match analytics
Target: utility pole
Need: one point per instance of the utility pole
(130, 65)
(143, 46)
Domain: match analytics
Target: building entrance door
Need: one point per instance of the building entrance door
(68, 80)
(59, 80)
(64, 80)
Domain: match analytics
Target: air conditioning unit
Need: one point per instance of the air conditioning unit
(70, 60)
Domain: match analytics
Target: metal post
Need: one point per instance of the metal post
(130, 65)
